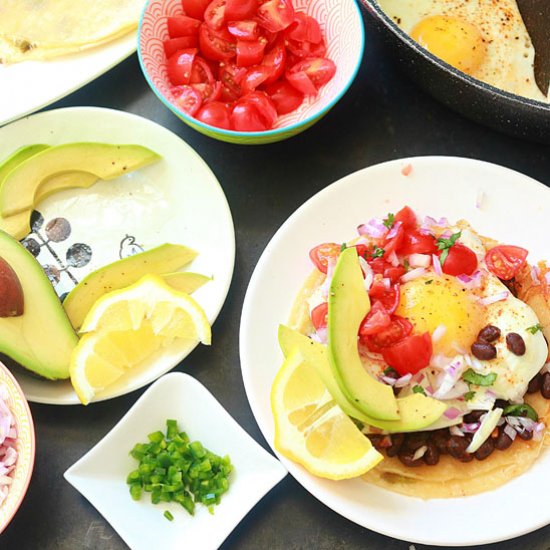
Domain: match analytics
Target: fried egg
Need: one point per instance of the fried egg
(486, 39)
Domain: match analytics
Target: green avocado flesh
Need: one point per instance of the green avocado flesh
(416, 411)
(161, 260)
(42, 339)
(101, 160)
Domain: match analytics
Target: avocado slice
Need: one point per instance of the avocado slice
(122, 273)
(103, 160)
(185, 281)
(348, 303)
(416, 411)
(42, 338)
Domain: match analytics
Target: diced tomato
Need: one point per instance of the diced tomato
(398, 329)
(407, 217)
(179, 66)
(322, 253)
(244, 30)
(409, 355)
(460, 260)
(285, 97)
(394, 243)
(394, 273)
(310, 74)
(231, 77)
(182, 25)
(304, 29)
(249, 53)
(504, 261)
(214, 15)
(388, 297)
(187, 99)
(216, 45)
(216, 114)
(195, 8)
(237, 10)
(319, 316)
(376, 320)
(378, 265)
(256, 76)
(172, 45)
(276, 15)
(275, 60)
(415, 242)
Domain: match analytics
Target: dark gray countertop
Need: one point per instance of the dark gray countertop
(382, 117)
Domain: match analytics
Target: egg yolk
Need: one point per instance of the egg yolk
(456, 41)
(428, 302)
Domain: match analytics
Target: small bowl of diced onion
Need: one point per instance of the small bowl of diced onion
(17, 446)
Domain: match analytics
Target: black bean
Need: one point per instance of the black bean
(397, 442)
(503, 440)
(484, 351)
(486, 448)
(535, 384)
(406, 457)
(473, 416)
(440, 439)
(415, 440)
(515, 343)
(489, 333)
(431, 456)
(501, 404)
(525, 435)
(545, 385)
(375, 440)
(512, 285)
(456, 446)
(466, 457)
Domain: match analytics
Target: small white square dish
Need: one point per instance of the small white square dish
(100, 475)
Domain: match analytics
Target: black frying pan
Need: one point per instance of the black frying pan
(482, 102)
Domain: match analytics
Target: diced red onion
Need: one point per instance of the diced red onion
(388, 380)
(513, 421)
(393, 231)
(527, 423)
(420, 452)
(320, 336)
(413, 274)
(403, 381)
(418, 377)
(393, 259)
(373, 228)
(510, 432)
(367, 272)
(470, 281)
(452, 413)
(498, 297)
(455, 430)
(456, 391)
(538, 432)
(547, 277)
(470, 428)
(479, 198)
(420, 260)
(432, 222)
(437, 265)
(535, 273)
(438, 333)
(386, 281)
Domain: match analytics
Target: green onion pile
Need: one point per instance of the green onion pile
(173, 469)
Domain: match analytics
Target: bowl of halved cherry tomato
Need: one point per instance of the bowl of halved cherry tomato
(250, 71)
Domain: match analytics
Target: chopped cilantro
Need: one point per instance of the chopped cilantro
(445, 245)
(472, 377)
(521, 410)
(469, 395)
(389, 370)
(378, 252)
(389, 221)
(535, 328)
(429, 282)
(419, 389)
(343, 247)
(406, 265)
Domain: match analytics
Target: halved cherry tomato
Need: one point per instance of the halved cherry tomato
(201, 71)
(249, 53)
(187, 99)
(310, 74)
(409, 355)
(397, 330)
(376, 320)
(237, 10)
(264, 106)
(505, 260)
(172, 45)
(276, 15)
(275, 59)
(460, 260)
(415, 242)
(407, 217)
(319, 316)
(304, 29)
(182, 25)
(195, 8)
(244, 30)
(255, 76)
(231, 77)
(214, 15)
(216, 114)
(179, 66)
(216, 45)
(306, 49)
(388, 297)
(285, 97)
(245, 117)
(210, 91)
(321, 254)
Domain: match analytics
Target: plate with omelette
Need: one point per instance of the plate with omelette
(394, 349)
(49, 48)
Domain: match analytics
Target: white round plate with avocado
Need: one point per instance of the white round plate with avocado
(499, 203)
(77, 231)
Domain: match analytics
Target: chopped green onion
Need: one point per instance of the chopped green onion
(472, 377)
(535, 328)
(168, 515)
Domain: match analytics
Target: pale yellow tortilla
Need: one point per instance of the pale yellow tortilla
(450, 477)
(41, 29)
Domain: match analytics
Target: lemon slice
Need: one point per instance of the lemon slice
(127, 328)
(311, 429)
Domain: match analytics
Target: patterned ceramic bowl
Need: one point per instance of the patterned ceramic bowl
(25, 447)
(342, 27)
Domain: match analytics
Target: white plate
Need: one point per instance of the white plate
(100, 475)
(514, 208)
(30, 85)
(177, 200)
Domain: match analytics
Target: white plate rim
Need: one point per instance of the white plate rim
(318, 488)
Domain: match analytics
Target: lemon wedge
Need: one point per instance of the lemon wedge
(311, 429)
(128, 327)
